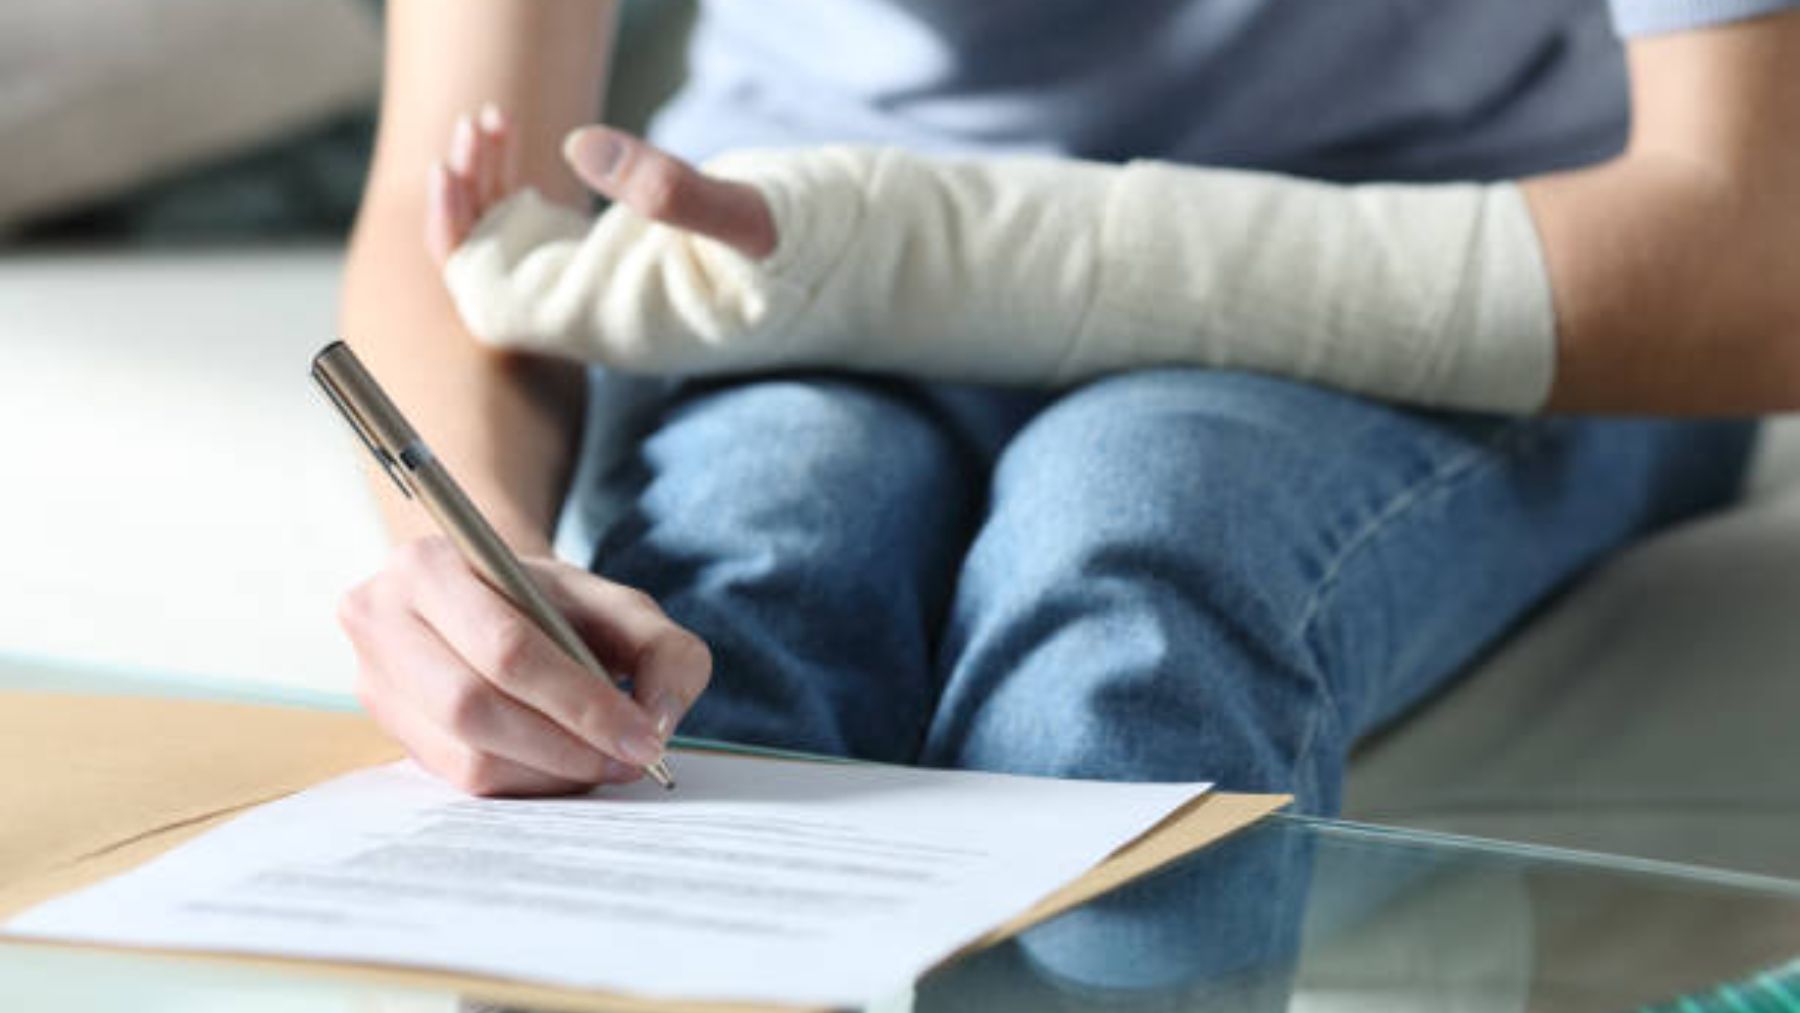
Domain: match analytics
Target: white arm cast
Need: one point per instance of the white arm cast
(1041, 271)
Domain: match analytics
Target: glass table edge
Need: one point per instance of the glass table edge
(100, 677)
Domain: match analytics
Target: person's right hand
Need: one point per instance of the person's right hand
(481, 697)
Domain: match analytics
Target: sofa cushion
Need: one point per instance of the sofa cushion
(98, 96)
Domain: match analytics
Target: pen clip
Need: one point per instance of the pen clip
(361, 428)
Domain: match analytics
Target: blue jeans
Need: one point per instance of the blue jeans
(1172, 574)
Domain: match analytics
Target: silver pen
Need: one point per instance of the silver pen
(422, 477)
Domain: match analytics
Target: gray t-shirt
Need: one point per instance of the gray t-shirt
(1335, 89)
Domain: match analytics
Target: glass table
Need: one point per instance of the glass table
(1296, 914)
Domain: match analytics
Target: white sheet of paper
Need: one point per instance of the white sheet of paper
(756, 880)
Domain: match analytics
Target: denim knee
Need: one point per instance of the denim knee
(846, 460)
(1194, 574)
(1127, 608)
(808, 528)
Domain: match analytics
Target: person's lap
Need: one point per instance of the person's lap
(808, 528)
(1173, 574)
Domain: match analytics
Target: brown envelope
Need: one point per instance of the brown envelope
(96, 785)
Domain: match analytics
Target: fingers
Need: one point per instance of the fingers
(494, 167)
(464, 167)
(482, 698)
(669, 667)
(482, 168)
(479, 171)
(449, 213)
(473, 771)
(451, 721)
(661, 187)
(511, 654)
(449, 695)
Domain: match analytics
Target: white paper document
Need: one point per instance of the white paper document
(757, 879)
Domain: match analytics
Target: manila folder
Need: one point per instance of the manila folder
(96, 785)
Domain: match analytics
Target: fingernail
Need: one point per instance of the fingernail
(641, 748)
(595, 150)
(491, 120)
(666, 712)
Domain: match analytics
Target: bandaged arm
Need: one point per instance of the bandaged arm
(1040, 271)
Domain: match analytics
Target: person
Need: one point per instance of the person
(1163, 573)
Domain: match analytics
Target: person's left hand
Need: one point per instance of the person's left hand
(481, 171)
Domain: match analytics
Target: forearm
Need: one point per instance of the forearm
(1663, 281)
(1665, 302)
(505, 424)
(1043, 272)
(1676, 267)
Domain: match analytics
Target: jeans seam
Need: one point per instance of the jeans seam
(1439, 478)
(1306, 787)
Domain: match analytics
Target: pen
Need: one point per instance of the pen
(421, 476)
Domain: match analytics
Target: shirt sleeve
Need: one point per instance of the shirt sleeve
(1652, 17)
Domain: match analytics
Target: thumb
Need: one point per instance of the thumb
(666, 189)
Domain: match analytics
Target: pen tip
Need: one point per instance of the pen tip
(659, 772)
